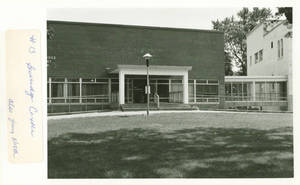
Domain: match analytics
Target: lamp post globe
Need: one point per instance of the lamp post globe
(147, 57)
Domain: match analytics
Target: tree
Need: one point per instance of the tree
(287, 11)
(228, 65)
(235, 30)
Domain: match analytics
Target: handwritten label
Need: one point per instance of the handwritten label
(24, 88)
(11, 121)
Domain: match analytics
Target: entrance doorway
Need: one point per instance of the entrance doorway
(139, 95)
(169, 90)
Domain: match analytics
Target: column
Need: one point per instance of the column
(185, 88)
(50, 97)
(265, 92)
(66, 90)
(170, 95)
(80, 90)
(242, 91)
(231, 91)
(109, 90)
(195, 92)
(275, 87)
(253, 91)
(156, 86)
(121, 87)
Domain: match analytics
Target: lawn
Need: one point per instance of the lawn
(174, 145)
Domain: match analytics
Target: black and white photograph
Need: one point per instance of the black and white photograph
(170, 93)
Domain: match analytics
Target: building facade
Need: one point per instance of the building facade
(268, 83)
(96, 66)
(269, 53)
(269, 49)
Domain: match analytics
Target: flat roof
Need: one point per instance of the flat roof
(255, 78)
(133, 26)
(152, 67)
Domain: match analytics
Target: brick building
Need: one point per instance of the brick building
(96, 66)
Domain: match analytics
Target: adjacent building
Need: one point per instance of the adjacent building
(269, 67)
(269, 49)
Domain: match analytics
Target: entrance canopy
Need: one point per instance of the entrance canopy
(161, 70)
(153, 70)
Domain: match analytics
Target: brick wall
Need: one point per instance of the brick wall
(86, 50)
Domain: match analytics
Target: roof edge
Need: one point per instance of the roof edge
(257, 26)
(261, 23)
(276, 26)
(133, 26)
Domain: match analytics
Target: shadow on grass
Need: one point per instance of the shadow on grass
(189, 153)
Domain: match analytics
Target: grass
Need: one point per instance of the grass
(185, 145)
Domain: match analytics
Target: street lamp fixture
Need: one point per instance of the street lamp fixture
(147, 57)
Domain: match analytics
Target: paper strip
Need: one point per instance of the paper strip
(24, 96)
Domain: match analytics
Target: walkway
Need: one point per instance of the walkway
(131, 113)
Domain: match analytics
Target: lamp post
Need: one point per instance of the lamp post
(147, 57)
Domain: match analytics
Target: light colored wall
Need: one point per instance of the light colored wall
(255, 42)
(271, 64)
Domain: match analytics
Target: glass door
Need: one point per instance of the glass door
(129, 90)
(139, 95)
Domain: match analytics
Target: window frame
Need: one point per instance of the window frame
(256, 57)
(281, 48)
(272, 44)
(260, 55)
(278, 49)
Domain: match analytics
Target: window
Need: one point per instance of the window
(282, 90)
(250, 60)
(94, 89)
(213, 81)
(238, 91)
(278, 49)
(272, 44)
(73, 92)
(281, 47)
(94, 92)
(260, 55)
(201, 81)
(206, 91)
(256, 57)
(57, 92)
(69, 90)
(228, 89)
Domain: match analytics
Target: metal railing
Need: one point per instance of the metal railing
(205, 99)
(156, 99)
(78, 104)
(266, 97)
(90, 99)
(263, 97)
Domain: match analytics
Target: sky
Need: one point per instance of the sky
(196, 18)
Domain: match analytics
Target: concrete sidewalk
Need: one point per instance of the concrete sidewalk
(132, 113)
(112, 113)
